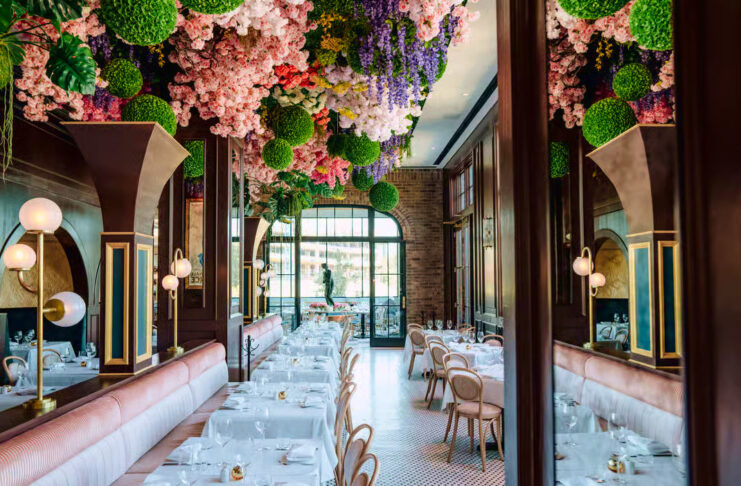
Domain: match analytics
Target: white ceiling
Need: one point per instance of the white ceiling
(471, 67)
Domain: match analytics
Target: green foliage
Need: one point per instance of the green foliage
(291, 205)
(6, 67)
(140, 22)
(57, 11)
(559, 159)
(124, 78)
(193, 164)
(591, 9)
(148, 107)
(361, 180)
(338, 191)
(361, 151)
(71, 65)
(632, 82)
(293, 124)
(606, 119)
(336, 145)
(384, 196)
(211, 7)
(651, 24)
(277, 154)
(326, 57)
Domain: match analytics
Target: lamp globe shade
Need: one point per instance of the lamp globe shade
(581, 266)
(267, 292)
(40, 214)
(170, 282)
(70, 309)
(19, 257)
(271, 273)
(259, 291)
(597, 280)
(258, 264)
(181, 267)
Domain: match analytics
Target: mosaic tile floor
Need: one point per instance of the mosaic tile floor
(408, 437)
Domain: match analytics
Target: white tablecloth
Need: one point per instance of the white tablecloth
(590, 455)
(14, 398)
(285, 420)
(306, 371)
(611, 328)
(256, 463)
(29, 352)
(493, 380)
(72, 373)
(476, 354)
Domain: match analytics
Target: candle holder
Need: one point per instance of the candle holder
(180, 268)
(583, 266)
(39, 217)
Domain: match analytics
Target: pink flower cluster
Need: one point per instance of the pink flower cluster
(580, 31)
(565, 92)
(463, 28)
(427, 15)
(666, 75)
(228, 78)
(35, 89)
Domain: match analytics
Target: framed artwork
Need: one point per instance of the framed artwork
(194, 242)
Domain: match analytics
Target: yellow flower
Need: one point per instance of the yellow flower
(346, 113)
(321, 169)
(331, 43)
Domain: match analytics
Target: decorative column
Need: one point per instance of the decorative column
(640, 163)
(130, 163)
(254, 231)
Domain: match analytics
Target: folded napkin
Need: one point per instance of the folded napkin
(318, 366)
(312, 401)
(184, 453)
(321, 358)
(301, 453)
(646, 446)
(234, 402)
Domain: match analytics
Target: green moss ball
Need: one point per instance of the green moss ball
(361, 180)
(124, 78)
(211, 7)
(384, 196)
(591, 9)
(361, 151)
(606, 119)
(651, 24)
(148, 107)
(293, 124)
(336, 145)
(632, 82)
(277, 154)
(559, 159)
(140, 22)
(193, 164)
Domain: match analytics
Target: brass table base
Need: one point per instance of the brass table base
(43, 405)
(175, 350)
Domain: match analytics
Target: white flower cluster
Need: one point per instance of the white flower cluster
(312, 100)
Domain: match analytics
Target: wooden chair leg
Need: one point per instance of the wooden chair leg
(432, 395)
(470, 434)
(450, 420)
(411, 365)
(429, 386)
(499, 438)
(482, 443)
(445, 381)
(452, 439)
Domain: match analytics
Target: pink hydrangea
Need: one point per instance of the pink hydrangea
(427, 15)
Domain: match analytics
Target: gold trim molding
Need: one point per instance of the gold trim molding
(109, 247)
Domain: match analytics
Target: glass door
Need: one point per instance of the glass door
(388, 294)
(462, 274)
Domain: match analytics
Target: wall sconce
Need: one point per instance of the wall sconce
(263, 287)
(488, 230)
(583, 267)
(41, 216)
(180, 268)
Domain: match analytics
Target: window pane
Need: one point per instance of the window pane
(385, 226)
(308, 226)
(381, 258)
(343, 227)
(393, 249)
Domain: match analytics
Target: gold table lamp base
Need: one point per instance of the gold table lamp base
(43, 405)
(588, 346)
(175, 350)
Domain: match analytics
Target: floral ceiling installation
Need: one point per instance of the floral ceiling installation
(359, 71)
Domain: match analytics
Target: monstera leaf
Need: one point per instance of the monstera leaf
(55, 10)
(71, 65)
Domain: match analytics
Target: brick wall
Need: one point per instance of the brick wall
(420, 214)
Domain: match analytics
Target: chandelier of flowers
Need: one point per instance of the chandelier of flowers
(323, 92)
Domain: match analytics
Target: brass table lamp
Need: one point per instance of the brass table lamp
(180, 268)
(583, 266)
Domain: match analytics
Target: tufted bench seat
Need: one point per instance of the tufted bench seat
(265, 333)
(97, 443)
(650, 402)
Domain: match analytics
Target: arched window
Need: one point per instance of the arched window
(364, 251)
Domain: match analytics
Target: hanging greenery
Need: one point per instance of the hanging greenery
(124, 78)
(212, 7)
(651, 24)
(591, 9)
(362, 180)
(606, 119)
(293, 124)
(632, 82)
(277, 154)
(140, 22)
(384, 196)
(148, 107)
(361, 151)
(193, 163)
(559, 159)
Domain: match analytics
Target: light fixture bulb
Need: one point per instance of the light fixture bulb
(581, 266)
(271, 273)
(264, 276)
(69, 309)
(597, 280)
(267, 292)
(40, 214)
(19, 257)
(181, 267)
(258, 264)
(259, 291)
(170, 282)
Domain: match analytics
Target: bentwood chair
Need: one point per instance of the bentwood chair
(494, 340)
(13, 370)
(417, 338)
(452, 360)
(468, 392)
(346, 374)
(621, 337)
(362, 478)
(414, 326)
(50, 356)
(437, 351)
(343, 405)
(355, 449)
(345, 339)
(464, 329)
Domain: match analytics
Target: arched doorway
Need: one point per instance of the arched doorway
(612, 300)
(364, 250)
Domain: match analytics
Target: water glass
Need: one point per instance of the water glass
(222, 430)
(429, 324)
(480, 336)
(18, 337)
(450, 325)
(90, 350)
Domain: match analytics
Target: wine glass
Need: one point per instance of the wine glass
(616, 318)
(625, 318)
(480, 336)
(222, 430)
(429, 324)
(450, 325)
(570, 419)
(18, 337)
(90, 350)
(678, 460)
(187, 470)
(66, 355)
